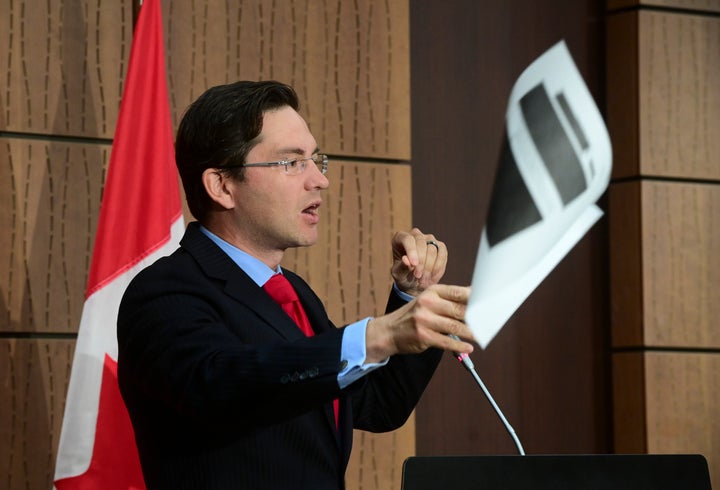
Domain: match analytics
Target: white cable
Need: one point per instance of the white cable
(467, 362)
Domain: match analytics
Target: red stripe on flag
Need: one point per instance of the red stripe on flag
(114, 443)
(141, 194)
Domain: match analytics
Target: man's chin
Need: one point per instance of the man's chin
(304, 242)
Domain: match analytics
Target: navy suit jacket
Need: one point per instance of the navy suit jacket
(223, 389)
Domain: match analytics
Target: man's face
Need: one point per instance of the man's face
(273, 210)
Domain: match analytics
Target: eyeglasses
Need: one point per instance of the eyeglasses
(292, 167)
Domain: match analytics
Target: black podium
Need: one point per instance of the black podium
(557, 472)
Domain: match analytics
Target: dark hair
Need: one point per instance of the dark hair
(220, 128)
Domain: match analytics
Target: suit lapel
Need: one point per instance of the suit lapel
(238, 285)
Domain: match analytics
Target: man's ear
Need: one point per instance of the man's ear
(219, 187)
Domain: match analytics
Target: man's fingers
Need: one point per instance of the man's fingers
(450, 292)
(445, 307)
(453, 342)
(457, 345)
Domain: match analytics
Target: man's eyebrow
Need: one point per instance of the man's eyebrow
(296, 151)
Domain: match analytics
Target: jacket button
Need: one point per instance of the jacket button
(285, 379)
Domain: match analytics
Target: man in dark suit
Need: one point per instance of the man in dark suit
(223, 387)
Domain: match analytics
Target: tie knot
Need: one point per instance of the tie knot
(280, 289)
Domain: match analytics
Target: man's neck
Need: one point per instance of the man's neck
(268, 256)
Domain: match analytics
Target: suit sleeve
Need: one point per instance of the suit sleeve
(389, 394)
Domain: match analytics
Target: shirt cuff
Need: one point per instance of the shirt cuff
(353, 352)
(407, 297)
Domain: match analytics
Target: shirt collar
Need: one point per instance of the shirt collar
(258, 271)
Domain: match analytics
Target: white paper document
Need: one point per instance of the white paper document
(555, 164)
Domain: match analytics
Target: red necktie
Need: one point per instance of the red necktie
(280, 289)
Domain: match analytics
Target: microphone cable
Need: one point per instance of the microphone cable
(467, 362)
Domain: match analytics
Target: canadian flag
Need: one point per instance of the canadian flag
(140, 221)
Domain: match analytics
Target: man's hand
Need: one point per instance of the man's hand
(422, 323)
(419, 261)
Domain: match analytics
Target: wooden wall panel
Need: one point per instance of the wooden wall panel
(64, 63)
(681, 264)
(664, 227)
(668, 128)
(683, 396)
(49, 204)
(349, 62)
(377, 459)
(675, 411)
(679, 109)
(33, 379)
(665, 265)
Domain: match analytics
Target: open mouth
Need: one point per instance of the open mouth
(312, 209)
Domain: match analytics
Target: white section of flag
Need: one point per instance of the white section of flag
(96, 337)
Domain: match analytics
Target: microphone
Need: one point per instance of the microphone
(467, 362)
